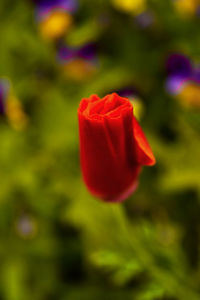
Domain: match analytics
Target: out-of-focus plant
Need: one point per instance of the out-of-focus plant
(57, 241)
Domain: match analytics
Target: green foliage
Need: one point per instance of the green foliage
(57, 241)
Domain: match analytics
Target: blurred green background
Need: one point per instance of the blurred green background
(57, 241)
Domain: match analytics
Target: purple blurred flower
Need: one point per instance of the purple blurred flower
(174, 84)
(44, 7)
(86, 52)
(180, 70)
(179, 65)
(144, 19)
(26, 226)
(4, 88)
(196, 75)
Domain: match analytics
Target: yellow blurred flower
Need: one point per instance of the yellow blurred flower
(130, 6)
(190, 95)
(186, 7)
(56, 25)
(16, 116)
(79, 69)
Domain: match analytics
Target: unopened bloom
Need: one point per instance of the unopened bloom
(113, 147)
(132, 94)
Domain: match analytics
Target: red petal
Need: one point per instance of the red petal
(109, 168)
(145, 155)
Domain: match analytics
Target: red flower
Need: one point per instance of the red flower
(113, 147)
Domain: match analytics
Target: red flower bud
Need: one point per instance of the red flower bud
(113, 147)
